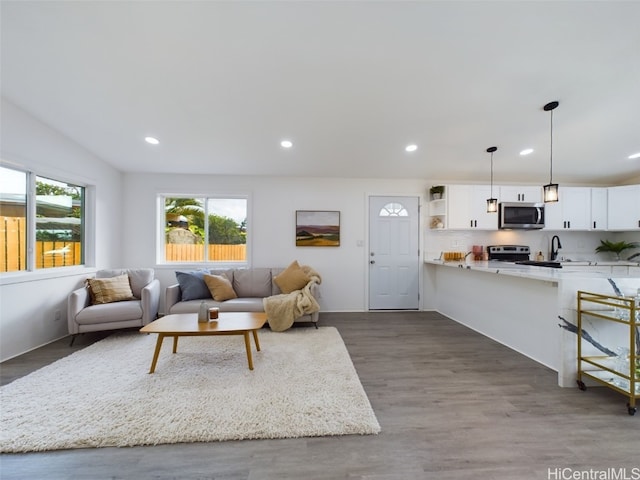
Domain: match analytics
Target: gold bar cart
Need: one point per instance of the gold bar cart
(611, 370)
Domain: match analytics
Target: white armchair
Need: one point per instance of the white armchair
(84, 317)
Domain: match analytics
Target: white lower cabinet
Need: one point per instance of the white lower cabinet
(467, 208)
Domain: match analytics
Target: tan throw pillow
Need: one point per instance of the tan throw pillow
(292, 278)
(220, 287)
(108, 290)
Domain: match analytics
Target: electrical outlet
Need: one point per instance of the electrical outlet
(57, 315)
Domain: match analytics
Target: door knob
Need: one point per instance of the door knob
(372, 262)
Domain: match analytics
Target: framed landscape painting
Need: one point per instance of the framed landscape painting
(317, 228)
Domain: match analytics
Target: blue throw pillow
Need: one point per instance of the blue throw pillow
(192, 286)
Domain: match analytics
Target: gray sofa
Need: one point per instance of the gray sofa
(251, 285)
(83, 317)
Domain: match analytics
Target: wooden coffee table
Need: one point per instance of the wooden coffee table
(187, 325)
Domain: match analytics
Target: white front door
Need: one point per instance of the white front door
(394, 256)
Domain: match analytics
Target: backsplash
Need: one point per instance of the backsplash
(576, 246)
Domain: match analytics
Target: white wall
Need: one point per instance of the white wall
(344, 269)
(28, 301)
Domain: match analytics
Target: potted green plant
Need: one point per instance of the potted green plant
(436, 192)
(615, 247)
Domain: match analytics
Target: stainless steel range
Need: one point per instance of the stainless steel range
(509, 253)
(517, 254)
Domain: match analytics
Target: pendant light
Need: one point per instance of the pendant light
(492, 203)
(551, 189)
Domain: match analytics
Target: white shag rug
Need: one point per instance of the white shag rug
(303, 384)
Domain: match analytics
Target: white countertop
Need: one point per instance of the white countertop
(595, 263)
(534, 272)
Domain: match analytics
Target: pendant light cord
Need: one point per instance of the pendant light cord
(491, 175)
(551, 153)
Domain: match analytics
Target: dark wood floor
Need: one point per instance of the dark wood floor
(452, 405)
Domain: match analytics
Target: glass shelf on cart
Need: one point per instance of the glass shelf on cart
(617, 381)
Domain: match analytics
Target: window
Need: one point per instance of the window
(13, 213)
(204, 229)
(393, 210)
(51, 236)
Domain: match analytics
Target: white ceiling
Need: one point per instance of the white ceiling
(350, 83)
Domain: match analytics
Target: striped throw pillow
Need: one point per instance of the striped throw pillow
(108, 290)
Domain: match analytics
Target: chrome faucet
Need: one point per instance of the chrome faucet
(554, 249)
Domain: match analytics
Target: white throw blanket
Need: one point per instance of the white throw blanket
(283, 309)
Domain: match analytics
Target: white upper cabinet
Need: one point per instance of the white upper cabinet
(623, 208)
(512, 193)
(464, 207)
(598, 209)
(467, 208)
(572, 211)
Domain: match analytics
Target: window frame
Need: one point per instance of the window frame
(161, 223)
(88, 227)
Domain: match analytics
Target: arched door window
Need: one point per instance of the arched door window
(393, 209)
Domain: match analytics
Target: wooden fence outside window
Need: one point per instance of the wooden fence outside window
(178, 252)
(62, 253)
(48, 254)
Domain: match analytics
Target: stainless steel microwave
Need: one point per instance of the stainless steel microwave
(520, 215)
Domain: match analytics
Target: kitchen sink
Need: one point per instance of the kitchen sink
(537, 263)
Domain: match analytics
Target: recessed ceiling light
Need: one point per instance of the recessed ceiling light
(526, 151)
(286, 144)
(411, 148)
(635, 155)
(152, 140)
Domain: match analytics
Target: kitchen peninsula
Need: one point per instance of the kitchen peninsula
(530, 309)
